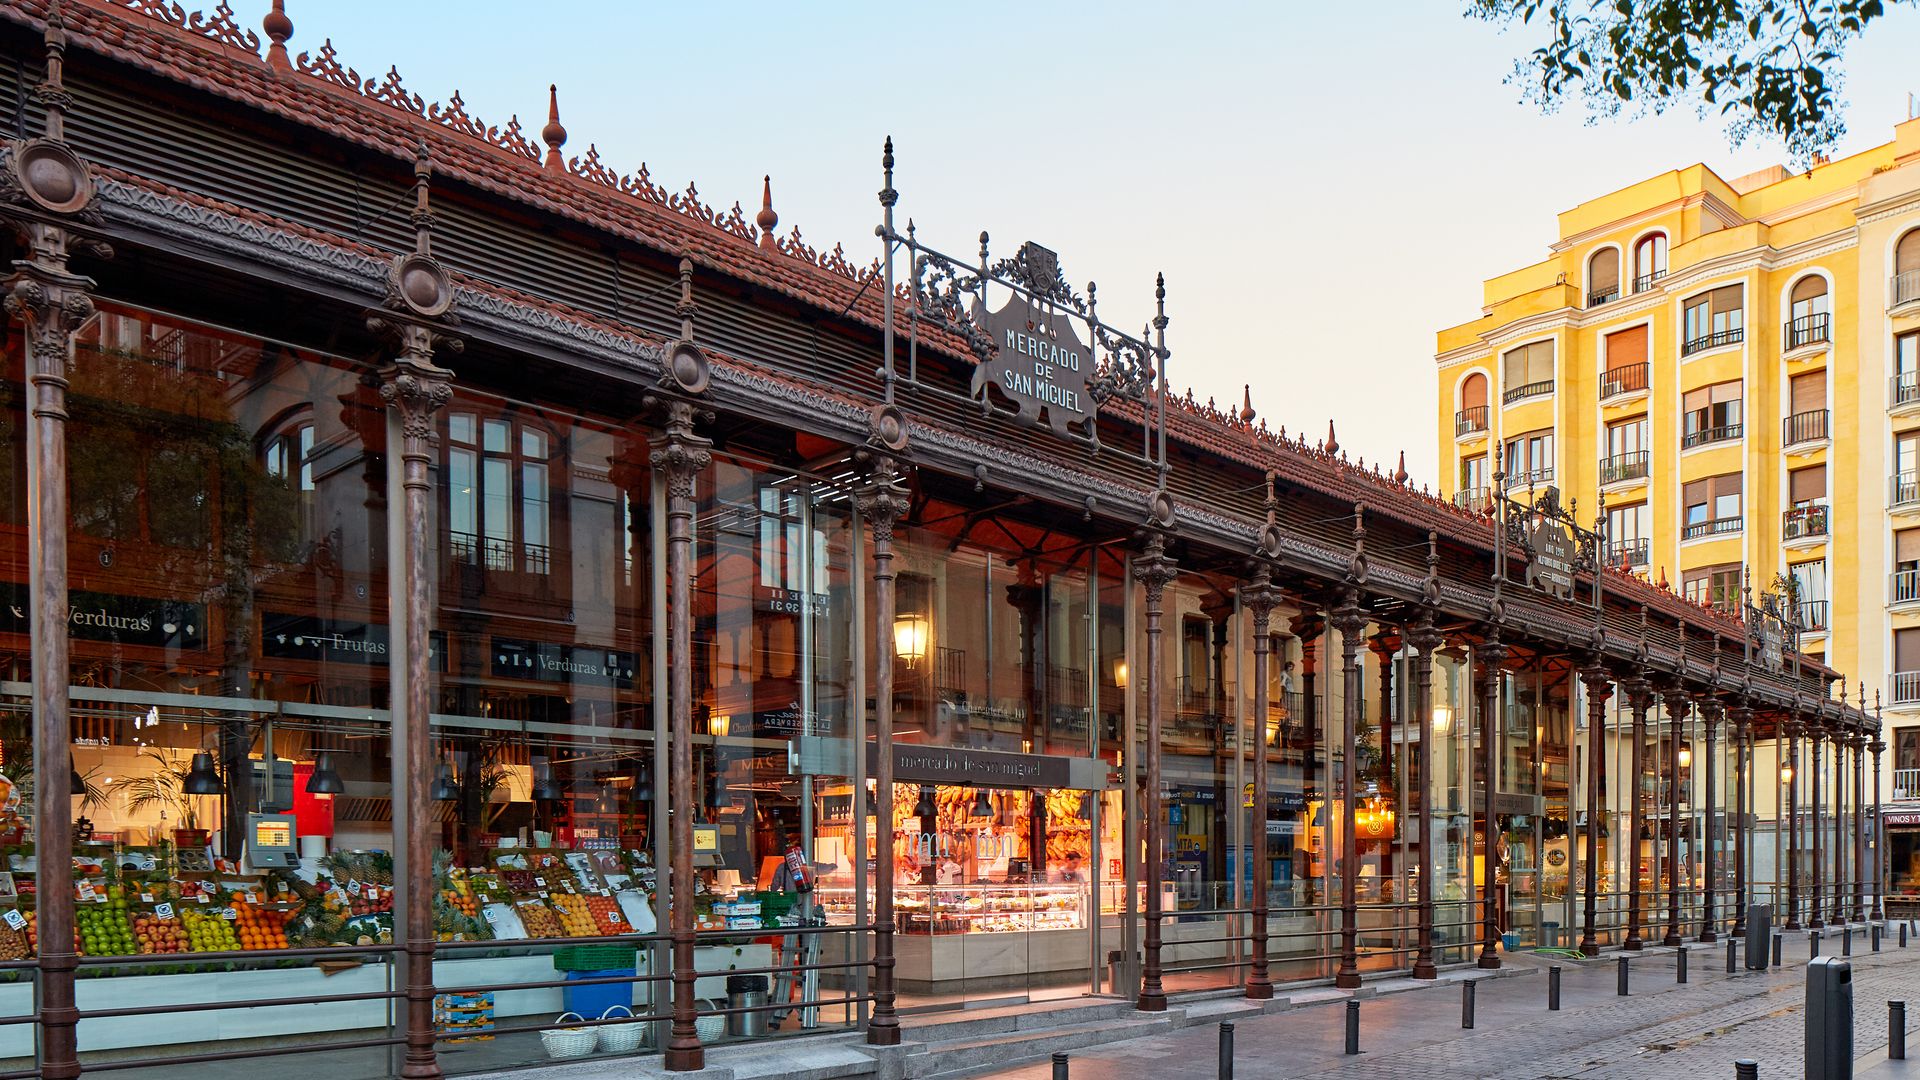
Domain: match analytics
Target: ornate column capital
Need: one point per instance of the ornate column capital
(1153, 568)
(1259, 595)
(880, 498)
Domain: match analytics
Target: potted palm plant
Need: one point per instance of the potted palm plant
(165, 787)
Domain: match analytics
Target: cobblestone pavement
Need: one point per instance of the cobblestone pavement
(1663, 1029)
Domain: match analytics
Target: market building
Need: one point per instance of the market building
(1733, 368)
(457, 586)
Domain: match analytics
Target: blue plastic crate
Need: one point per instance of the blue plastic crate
(593, 1000)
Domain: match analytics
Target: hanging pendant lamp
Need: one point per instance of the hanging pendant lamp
(445, 788)
(924, 808)
(324, 780)
(202, 778)
(982, 807)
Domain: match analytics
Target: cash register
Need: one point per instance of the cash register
(270, 842)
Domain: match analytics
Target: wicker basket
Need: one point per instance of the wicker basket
(710, 1028)
(621, 1038)
(568, 1042)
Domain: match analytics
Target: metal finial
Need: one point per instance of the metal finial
(554, 135)
(888, 196)
(766, 219)
(1400, 472)
(1333, 444)
(52, 93)
(279, 28)
(1273, 500)
(1246, 403)
(422, 200)
(1159, 301)
(686, 308)
(983, 247)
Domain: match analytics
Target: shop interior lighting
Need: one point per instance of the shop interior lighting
(544, 789)
(445, 788)
(643, 783)
(910, 637)
(202, 778)
(1786, 773)
(324, 780)
(1686, 756)
(982, 807)
(1442, 720)
(719, 724)
(924, 808)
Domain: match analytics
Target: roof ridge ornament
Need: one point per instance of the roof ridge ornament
(554, 134)
(279, 29)
(766, 220)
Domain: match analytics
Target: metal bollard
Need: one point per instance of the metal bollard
(1680, 966)
(1897, 1029)
(1059, 1066)
(1813, 944)
(1466, 1005)
(1776, 950)
(1903, 935)
(1746, 1069)
(1846, 941)
(1730, 959)
(1621, 987)
(1874, 933)
(1226, 1050)
(1553, 989)
(1353, 1026)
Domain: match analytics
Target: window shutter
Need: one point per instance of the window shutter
(1473, 394)
(1806, 485)
(1809, 392)
(1699, 301)
(1906, 650)
(1726, 484)
(1809, 287)
(1726, 391)
(1696, 399)
(1906, 545)
(1627, 347)
(1695, 492)
(1726, 298)
(1603, 274)
(1907, 256)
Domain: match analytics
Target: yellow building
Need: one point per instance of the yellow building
(1734, 366)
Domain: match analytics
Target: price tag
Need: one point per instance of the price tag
(203, 898)
(229, 914)
(253, 898)
(146, 898)
(163, 912)
(86, 890)
(353, 885)
(99, 898)
(540, 881)
(613, 917)
(15, 919)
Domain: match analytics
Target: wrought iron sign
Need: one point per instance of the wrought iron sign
(1556, 546)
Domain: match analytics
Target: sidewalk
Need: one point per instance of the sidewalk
(1663, 1029)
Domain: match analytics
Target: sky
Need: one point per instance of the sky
(1324, 185)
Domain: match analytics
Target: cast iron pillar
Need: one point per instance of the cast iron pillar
(1154, 570)
(1674, 696)
(1792, 770)
(1351, 621)
(1599, 690)
(1879, 830)
(1710, 713)
(1742, 717)
(1488, 657)
(1640, 699)
(1858, 743)
(1426, 641)
(46, 194)
(1816, 734)
(881, 500)
(1259, 597)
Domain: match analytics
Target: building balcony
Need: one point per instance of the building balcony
(1903, 492)
(1477, 500)
(1699, 530)
(1470, 421)
(1903, 688)
(1812, 616)
(1621, 468)
(1903, 588)
(1709, 436)
(1623, 381)
(1804, 429)
(1595, 299)
(1806, 330)
(1903, 392)
(1906, 783)
(1804, 526)
(1714, 340)
(1903, 289)
(1529, 478)
(1530, 390)
(1630, 554)
(1645, 281)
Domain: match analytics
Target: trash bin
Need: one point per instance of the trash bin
(1549, 934)
(1829, 1020)
(747, 992)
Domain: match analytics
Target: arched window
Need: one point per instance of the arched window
(283, 509)
(1472, 416)
(1906, 269)
(1649, 261)
(1807, 314)
(1603, 276)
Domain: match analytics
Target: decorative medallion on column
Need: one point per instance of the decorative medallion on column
(1425, 640)
(47, 198)
(1259, 597)
(417, 316)
(1154, 570)
(1350, 619)
(881, 501)
(680, 456)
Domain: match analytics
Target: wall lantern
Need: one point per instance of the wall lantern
(910, 638)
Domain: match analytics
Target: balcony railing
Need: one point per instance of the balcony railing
(1903, 389)
(1469, 420)
(1623, 467)
(1711, 527)
(1808, 330)
(1704, 436)
(1714, 340)
(1906, 783)
(1805, 427)
(1903, 288)
(1624, 379)
(1475, 499)
(1803, 523)
(1532, 389)
(1812, 615)
(1903, 587)
(1645, 281)
(1630, 553)
(1903, 489)
(1904, 687)
(1529, 478)
(1595, 299)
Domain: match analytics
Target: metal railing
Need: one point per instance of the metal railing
(1903, 587)
(1708, 435)
(1621, 467)
(1714, 340)
(1526, 478)
(1803, 522)
(1807, 330)
(1903, 489)
(1469, 420)
(1903, 389)
(1712, 527)
(1906, 783)
(1645, 281)
(1804, 427)
(1813, 614)
(1636, 552)
(1903, 288)
(1532, 389)
(1625, 379)
(1903, 687)
(1595, 299)
(1476, 499)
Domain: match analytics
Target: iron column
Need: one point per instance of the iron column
(1599, 689)
(881, 500)
(1488, 657)
(1674, 696)
(1154, 570)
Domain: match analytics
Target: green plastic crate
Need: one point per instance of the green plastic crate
(593, 957)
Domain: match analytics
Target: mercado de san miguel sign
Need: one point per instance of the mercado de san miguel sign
(1038, 360)
(1552, 552)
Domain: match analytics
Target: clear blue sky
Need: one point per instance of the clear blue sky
(1324, 185)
